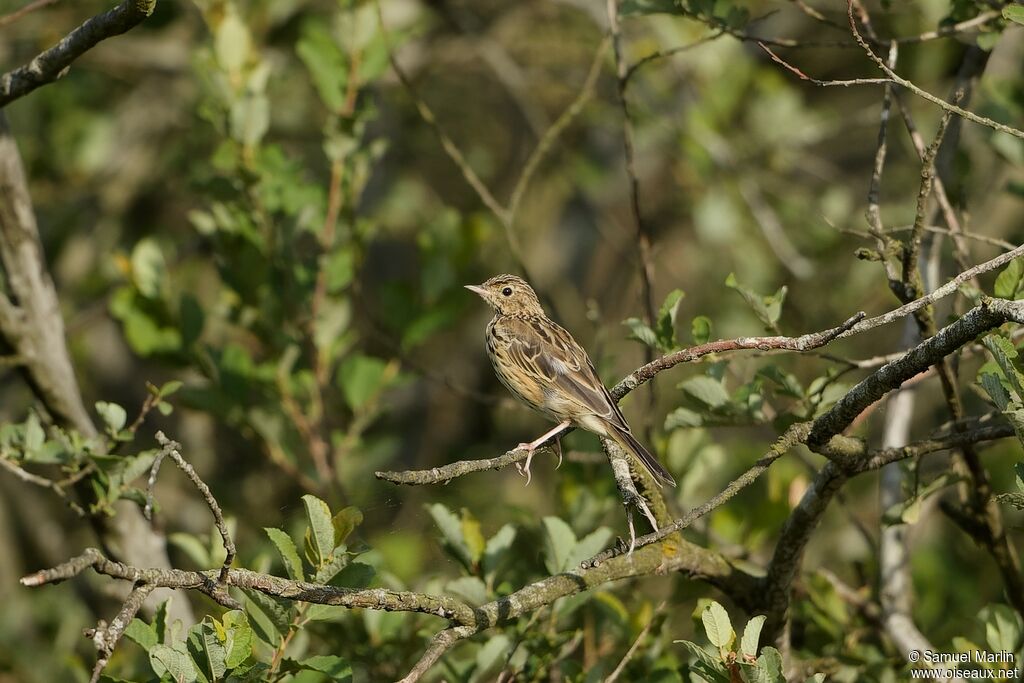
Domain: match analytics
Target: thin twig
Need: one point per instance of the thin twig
(817, 81)
(552, 134)
(105, 637)
(30, 7)
(56, 487)
(439, 644)
(171, 448)
(617, 671)
(643, 235)
(662, 54)
(924, 94)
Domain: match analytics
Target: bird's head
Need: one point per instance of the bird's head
(509, 295)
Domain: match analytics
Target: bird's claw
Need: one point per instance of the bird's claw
(525, 469)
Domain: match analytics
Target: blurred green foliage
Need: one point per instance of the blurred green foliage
(260, 247)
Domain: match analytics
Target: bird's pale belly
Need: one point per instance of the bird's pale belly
(528, 393)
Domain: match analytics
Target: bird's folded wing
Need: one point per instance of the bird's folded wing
(548, 353)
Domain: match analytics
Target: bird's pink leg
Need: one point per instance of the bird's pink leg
(532, 446)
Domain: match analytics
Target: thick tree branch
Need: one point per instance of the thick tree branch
(847, 461)
(991, 313)
(54, 63)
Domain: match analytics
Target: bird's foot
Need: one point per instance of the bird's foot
(557, 448)
(525, 469)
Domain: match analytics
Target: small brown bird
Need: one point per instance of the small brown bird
(544, 367)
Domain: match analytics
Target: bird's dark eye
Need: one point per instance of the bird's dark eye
(507, 291)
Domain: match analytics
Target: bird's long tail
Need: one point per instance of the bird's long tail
(650, 463)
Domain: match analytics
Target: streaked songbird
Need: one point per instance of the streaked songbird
(545, 368)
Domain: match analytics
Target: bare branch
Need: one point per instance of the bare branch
(556, 129)
(643, 236)
(54, 63)
(939, 293)
(19, 13)
(797, 433)
(924, 94)
(171, 448)
(991, 313)
(105, 637)
(441, 642)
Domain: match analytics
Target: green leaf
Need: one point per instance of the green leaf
(168, 661)
(354, 575)
(207, 650)
(766, 308)
(751, 635)
(337, 668)
(717, 625)
(149, 270)
(339, 268)
(269, 617)
(786, 382)
(1008, 281)
(329, 328)
(700, 329)
(469, 588)
(497, 548)
(707, 390)
(491, 657)
(709, 667)
(238, 640)
(289, 554)
(993, 386)
(360, 378)
(451, 533)
(250, 118)
(113, 416)
(142, 633)
(682, 418)
(472, 535)
(1004, 353)
(1014, 13)
(191, 546)
(640, 331)
(169, 388)
(1002, 628)
(345, 522)
(770, 661)
(666, 327)
(326, 65)
(318, 513)
(34, 436)
(559, 541)
(231, 42)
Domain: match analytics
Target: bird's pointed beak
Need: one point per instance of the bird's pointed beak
(478, 290)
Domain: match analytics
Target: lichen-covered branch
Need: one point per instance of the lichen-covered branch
(52, 64)
(209, 582)
(991, 313)
(676, 555)
(848, 459)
